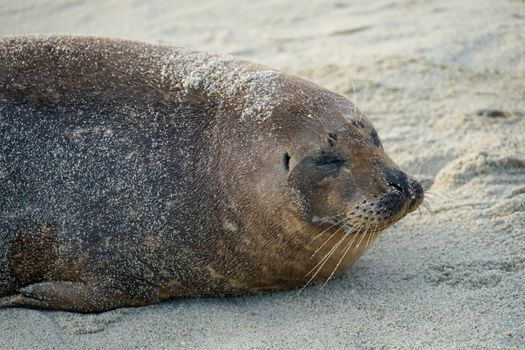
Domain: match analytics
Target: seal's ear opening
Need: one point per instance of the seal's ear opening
(286, 161)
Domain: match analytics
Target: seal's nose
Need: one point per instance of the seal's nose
(410, 189)
(398, 180)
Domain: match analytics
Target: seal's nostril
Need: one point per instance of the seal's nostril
(397, 187)
(397, 180)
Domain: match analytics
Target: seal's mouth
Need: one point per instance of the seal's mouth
(376, 213)
(379, 212)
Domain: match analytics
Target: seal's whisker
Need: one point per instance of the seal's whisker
(325, 260)
(439, 195)
(426, 184)
(349, 245)
(360, 240)
(320, 234)
(322, 262)
(432, 194)
(339, 262)
(419, 165)
(355, 99)
(359, 227)
(327, 255)
(371, 236)
(426, 206)
(322, 124)
(324, 243)
(324, 221)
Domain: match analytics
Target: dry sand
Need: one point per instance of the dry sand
(428, 73)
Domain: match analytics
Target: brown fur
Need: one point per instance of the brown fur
(183, 174)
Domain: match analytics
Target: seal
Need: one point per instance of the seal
(133, 173)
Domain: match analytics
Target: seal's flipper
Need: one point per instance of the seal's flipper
(67, 296)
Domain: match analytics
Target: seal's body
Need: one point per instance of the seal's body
(133, 173)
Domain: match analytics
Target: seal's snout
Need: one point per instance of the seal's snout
(404, 190)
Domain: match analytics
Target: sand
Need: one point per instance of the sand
(444, 84)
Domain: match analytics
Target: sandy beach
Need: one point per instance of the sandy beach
(443, 83)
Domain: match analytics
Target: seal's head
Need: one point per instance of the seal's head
(345, 177)
(314, 148)
(313, 185)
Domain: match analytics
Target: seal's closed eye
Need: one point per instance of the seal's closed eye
(329, 159)
(329, 164)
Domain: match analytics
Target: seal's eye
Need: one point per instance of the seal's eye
(329, 160)
(328, 164)
(286, 161)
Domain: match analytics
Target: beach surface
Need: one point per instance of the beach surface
(443, 83)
